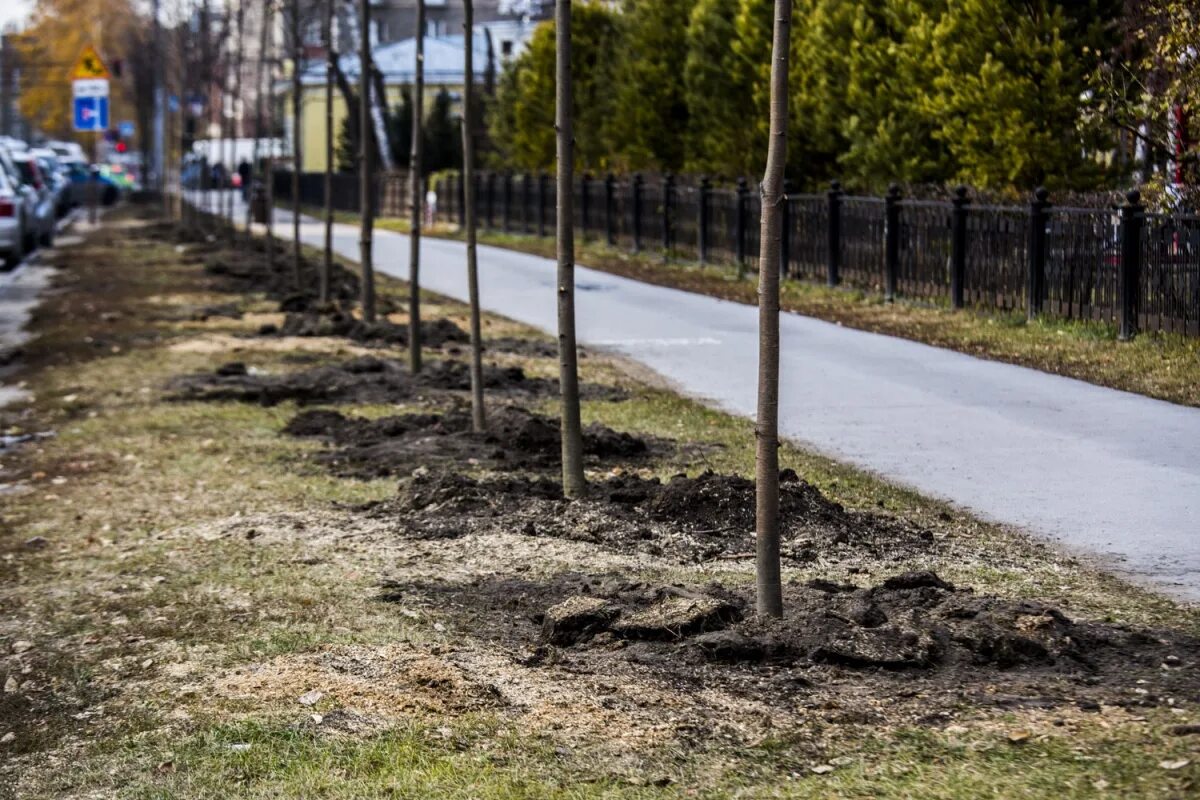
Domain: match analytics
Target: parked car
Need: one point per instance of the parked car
(14, 224)
(23, 193)
(44, 216)
(60, 185)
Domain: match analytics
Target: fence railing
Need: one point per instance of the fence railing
(389, 191)
(1118, 265)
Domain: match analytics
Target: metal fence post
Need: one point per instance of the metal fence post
(585, 182)
(541, 203)
(785, 238)
(702, 223)
(1036, 289)
(526, 182)
(835, 234)
(958, 246)
(668, 192)
(610, 227)
(490, 182)
(506, 202)
(637, 213)
(1131, 263)
(891, 244)
(739, 228)
(460, 188)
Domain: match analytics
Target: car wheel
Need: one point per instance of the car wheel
(110, 195)
(47, 238)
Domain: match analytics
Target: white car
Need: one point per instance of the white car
(44, 214)
(14, 224)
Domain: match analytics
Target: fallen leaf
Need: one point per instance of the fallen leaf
(823, 768)
(1019, 737)
(11, 685)
(1180, 764)
(310, 698)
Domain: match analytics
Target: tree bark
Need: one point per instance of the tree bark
(766, 463)
(365, 170)
(478, 412)
(238, 62)
(330, 70)
(259, 67)
(417, 204)
(296, 100)
(269, 166)
(568, 368)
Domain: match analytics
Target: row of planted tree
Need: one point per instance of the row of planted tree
(574, 483)
(938, 228)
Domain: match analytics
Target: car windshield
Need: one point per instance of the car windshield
(28, 171)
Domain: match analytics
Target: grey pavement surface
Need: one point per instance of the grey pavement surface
(1103, 472)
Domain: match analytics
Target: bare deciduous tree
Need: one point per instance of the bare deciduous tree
(296, 46)
(478, 413)
(330, 70)
(568, 368)
(415, 189)
(364, 161)
(766, 463)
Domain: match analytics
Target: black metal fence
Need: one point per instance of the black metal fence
(1120, 265)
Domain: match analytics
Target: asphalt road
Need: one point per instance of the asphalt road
(1103, 472)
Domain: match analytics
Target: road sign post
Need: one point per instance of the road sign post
(89, 84)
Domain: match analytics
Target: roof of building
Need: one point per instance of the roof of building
(443, 57)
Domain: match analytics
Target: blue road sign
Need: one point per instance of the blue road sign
(91, 113)
(126, 129)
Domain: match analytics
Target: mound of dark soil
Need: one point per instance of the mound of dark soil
(398, 445)
(912, 640)
(688, 519)
(245, 270)
(434, 333)
(361, 380)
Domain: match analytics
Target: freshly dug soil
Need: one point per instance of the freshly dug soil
(698, 519)
(245, 270)
(913, 639)
(361, 380)
(397, 445)
(434, 333)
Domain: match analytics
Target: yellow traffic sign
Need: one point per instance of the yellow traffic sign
(90, 65)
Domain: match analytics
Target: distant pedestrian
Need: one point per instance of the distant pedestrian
(431, 199)
(244, 170)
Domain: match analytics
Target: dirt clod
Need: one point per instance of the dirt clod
(396, 445)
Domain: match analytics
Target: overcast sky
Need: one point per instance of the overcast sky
(14, 11)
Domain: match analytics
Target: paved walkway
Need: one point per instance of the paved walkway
(1101, 471)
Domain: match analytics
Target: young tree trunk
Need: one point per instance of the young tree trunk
(568, 369)
(269, 166)
(365, 169)
(330, 70)
(296, 99)
(238, 61)
(766, 462)
(259, 70)
(418, 196)
(478, 413)
(220, 147)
